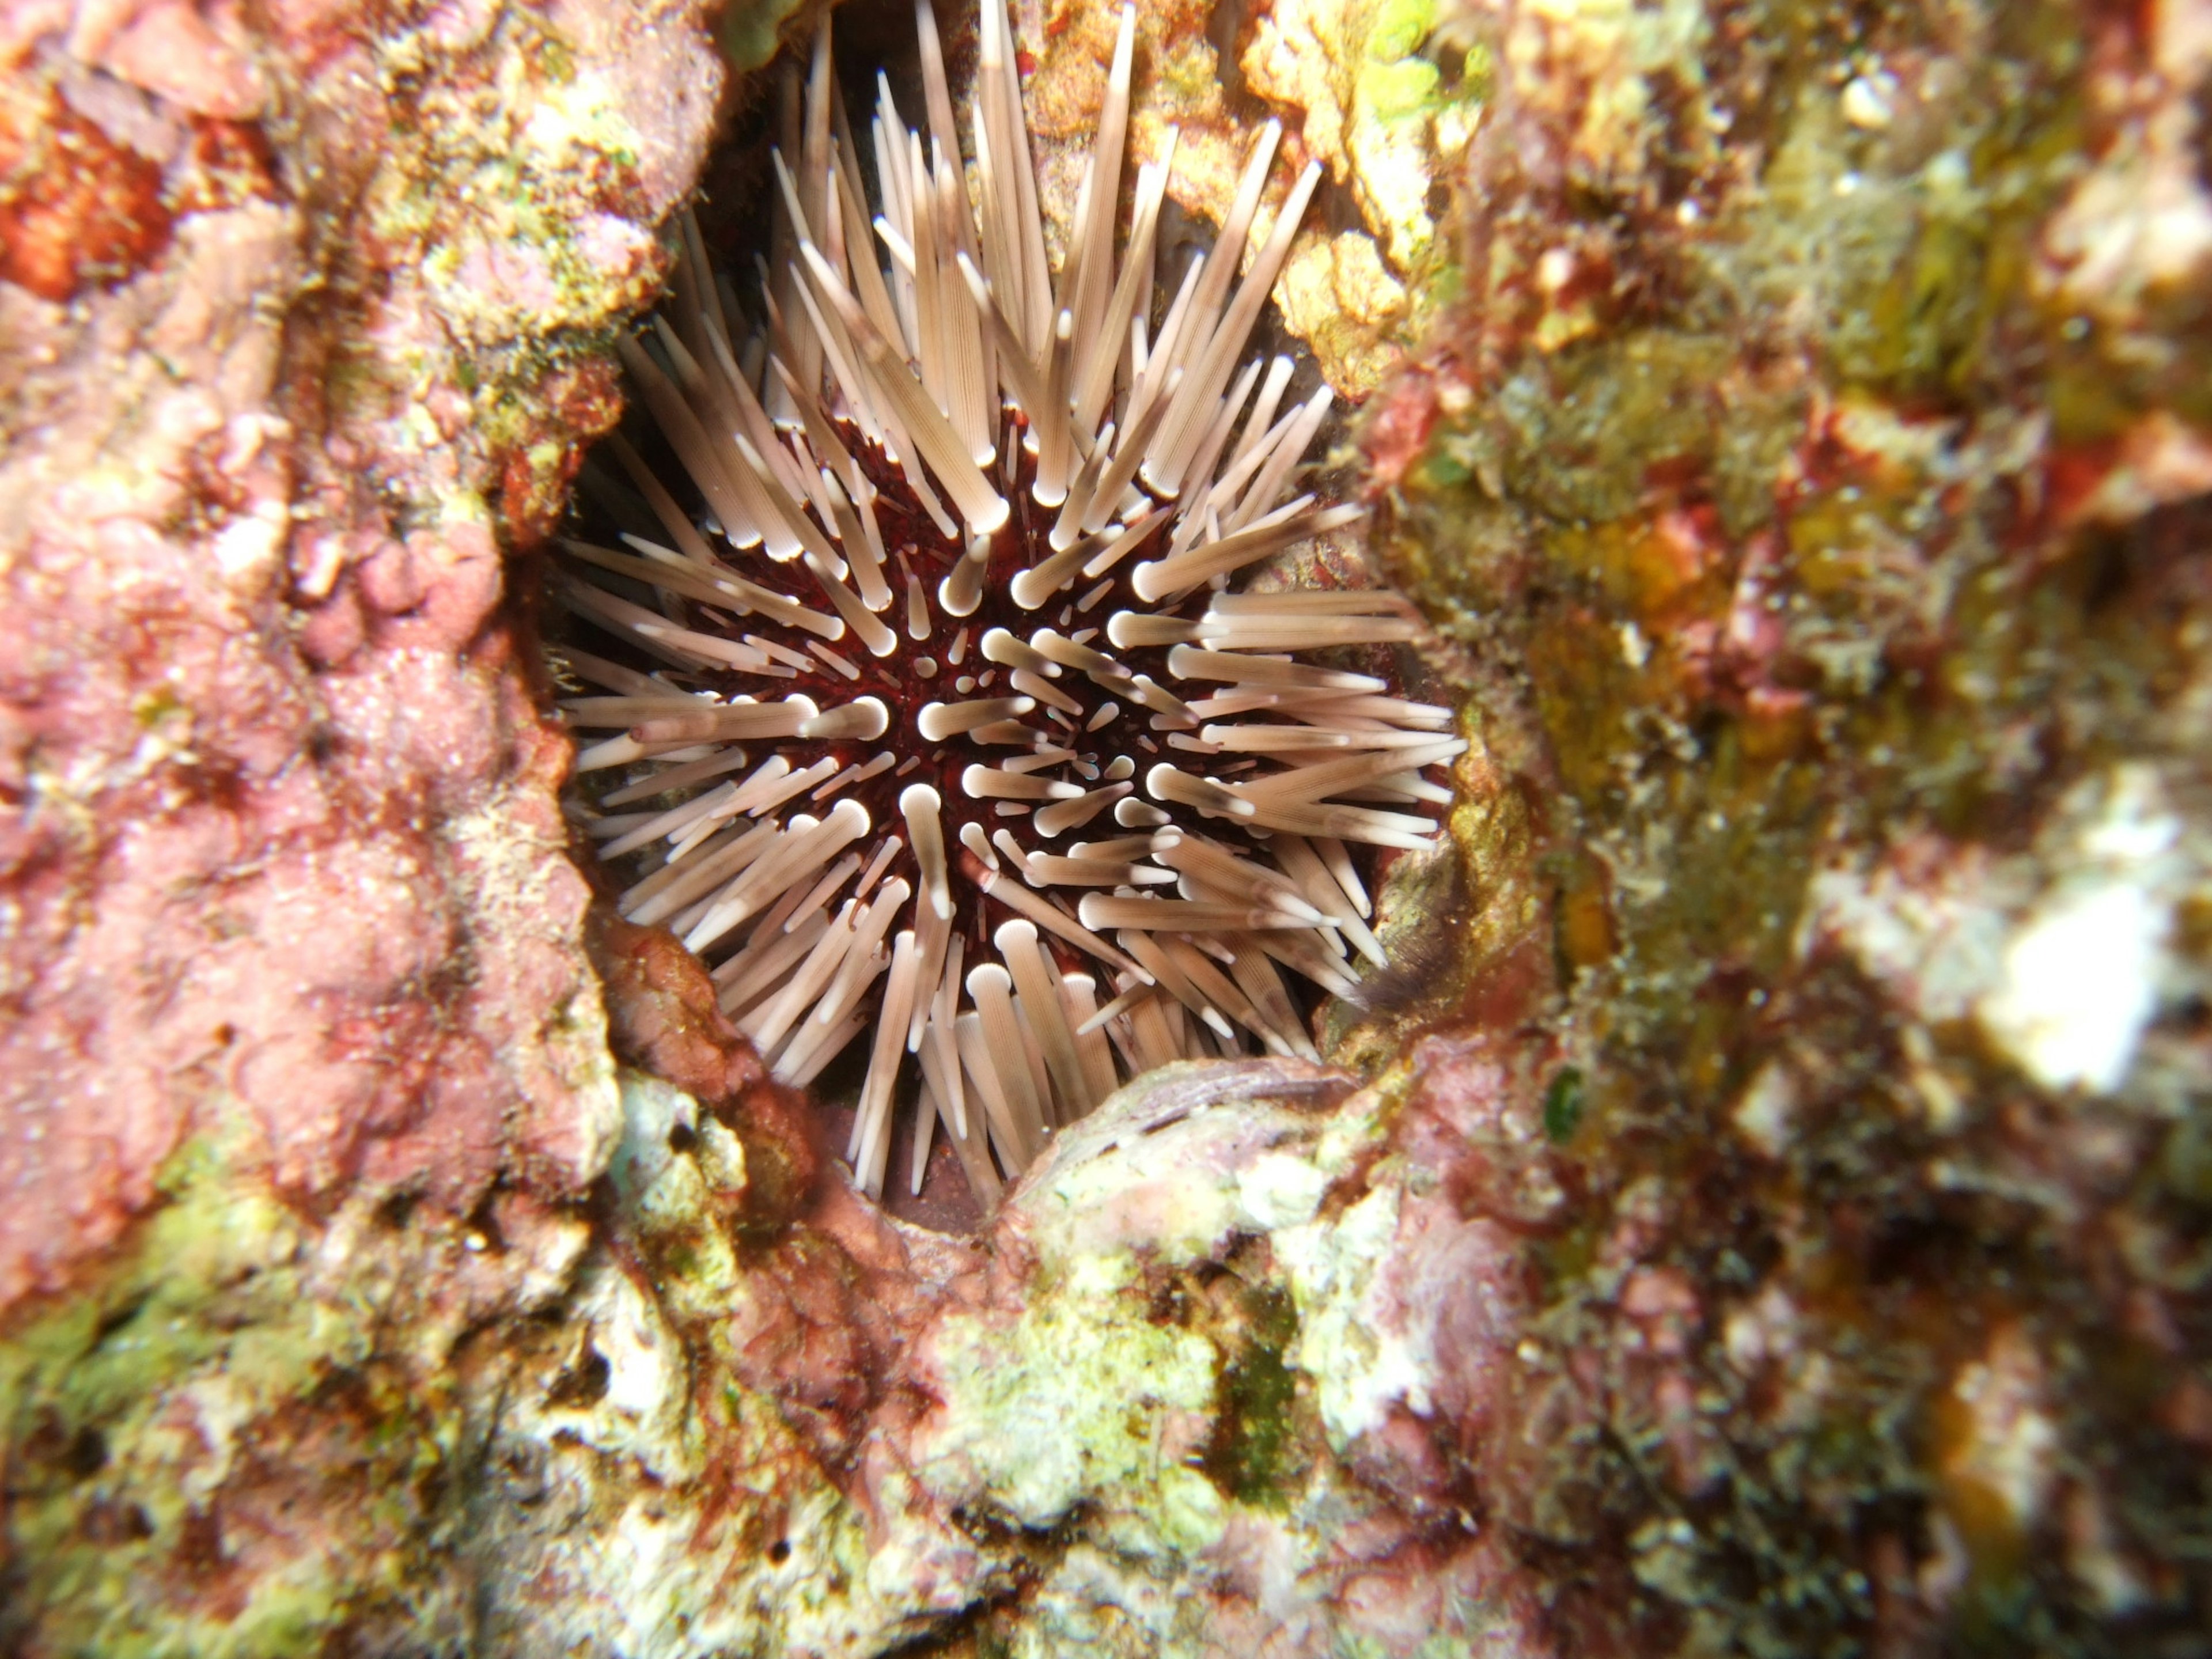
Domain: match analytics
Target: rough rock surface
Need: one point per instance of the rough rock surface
(281, 840)
(298, 324)
(1818, 445)
(1777, 1220)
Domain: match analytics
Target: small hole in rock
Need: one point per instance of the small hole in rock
(395, 1212)
(106, 1522)
(482, 1231)
(87, 1455)
(115, 1318)
(582, 1384)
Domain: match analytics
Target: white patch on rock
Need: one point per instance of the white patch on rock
(1763, 1115)
(1931, 938)
(2080, 978)
(612, 245)
(1281, 1189)
(1870, 101)
(2010, 1448)
(2078, 988)
(640, 1366)
(1361, 1367)
(2058, 955)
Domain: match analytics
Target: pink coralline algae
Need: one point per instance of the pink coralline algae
(280, 847)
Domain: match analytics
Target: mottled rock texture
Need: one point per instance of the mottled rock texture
(300, 321)
(1815, 450)
(1778, 1218)
(298, 346)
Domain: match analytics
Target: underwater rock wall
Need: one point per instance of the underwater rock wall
(300, 315)
(1778, 1223)
(1815, 442)
(302, 337)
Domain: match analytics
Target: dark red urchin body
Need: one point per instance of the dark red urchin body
(980, 691)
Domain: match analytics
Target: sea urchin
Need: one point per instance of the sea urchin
(978, 525)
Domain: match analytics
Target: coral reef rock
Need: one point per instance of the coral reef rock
(1815, 453)
(1768, 1206)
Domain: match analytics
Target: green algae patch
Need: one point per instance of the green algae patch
(1398, 97)
(1562, 1105)
(503, 200)
(1069, 1402)
(748, 34)
(1356, 1369)
(151, 1420)
(1380, 111)
(679, 1207)
(1254, 1456)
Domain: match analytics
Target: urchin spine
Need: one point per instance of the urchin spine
(969, 461)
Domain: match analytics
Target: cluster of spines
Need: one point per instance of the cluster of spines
(1067, 437)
